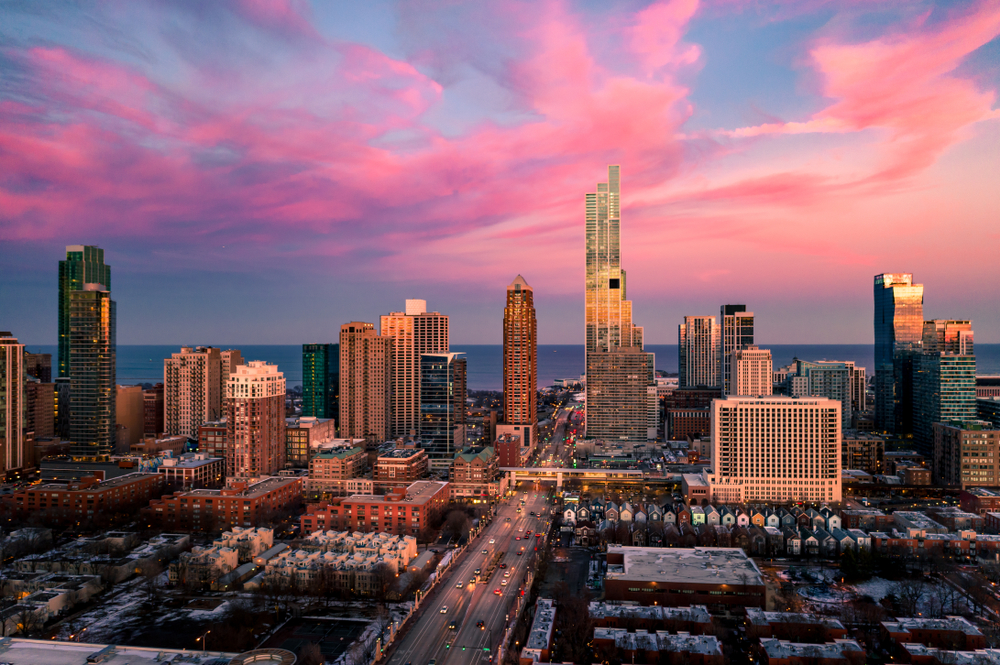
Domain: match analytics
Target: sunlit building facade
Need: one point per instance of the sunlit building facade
(93, 392)
(193, 391)
(365, 357)
(735, 332)
(84, 264)
(698, 352)
(751, 371)
(12, 405)
(899, 319)
(255, 421)
(520, 363)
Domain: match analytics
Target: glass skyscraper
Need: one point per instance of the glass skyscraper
(321, 380)
(84, 264)
(442, 406)
(899, 319)
(736, 333)
(92, 372)
(944, 379)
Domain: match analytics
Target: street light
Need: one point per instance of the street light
(203, 639)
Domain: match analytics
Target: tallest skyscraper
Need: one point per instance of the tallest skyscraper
(899, 322)
(619, 373)
(84, 264)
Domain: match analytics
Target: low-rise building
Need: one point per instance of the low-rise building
(916, 523)
(401, 511)
(303, 436)
(868, 519)
(152, 446)
(694, 620)
(979, 500)
(951, 632)
(537, 648)
(475, 474)
(17, 651)
(86, 500)
(780, 652)
(956, 519)
(242, 503)
(793, 626)
(645, 647)
(193, 471)
(399, 467)
(328, 470)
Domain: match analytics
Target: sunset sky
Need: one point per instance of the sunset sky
(261, 171)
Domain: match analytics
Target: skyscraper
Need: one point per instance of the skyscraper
(255, 420)
(193, 392)
(617, 397)
(92, 348)
(365, 358)
(944, 336)
(84, 264)
(899, 317)
(520, 364)
(228, 360)
(736, 332)
(442, 406)
(824, 378)
(12, 408)
(321, 380)
(751, 371)
(698, 352)
(609, 327)
(944, 381)
(413, 332)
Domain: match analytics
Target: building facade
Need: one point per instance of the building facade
(93, 392)
(442, 406)
(824, 378)
(87, 499)
(303, 435)
(899, 317)
(944, 390)
(735, 333)
(413, 332)
(130, 414)
(193, 391)
(751, 371)
(966, 454)
(618, 402)
(255, 420)
(84, 264)
(520, 363)
(775, 449)
(336, 466)
(400, 467)
(12, 405)
(401, 511)
(698, 352)
(863, 451)
(321, 380)
(365, 360)
(239, 504)
(152, 409)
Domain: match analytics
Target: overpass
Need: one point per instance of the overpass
(557, 473)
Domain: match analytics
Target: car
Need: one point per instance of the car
(508, 519)
(459, 585)
(518, 538)
(492, 540)
(528, 532)
(453, 625)
(503, 582)
(497, 591)
(481, 625)
(478, 571)
(432, 661)
(485, 552)
(538, 535)
(444, 609)
(519, 552)
(521, 528)
(503, 565)
(532, 513)
(506, 573)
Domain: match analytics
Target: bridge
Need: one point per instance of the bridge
(558, 473)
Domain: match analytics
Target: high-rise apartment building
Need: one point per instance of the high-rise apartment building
(823, 378)
(321, 380)
(193, 391)
(775, 449)
(92, 355)
(859, 387)
(899, 318)
(130, 416)
(966, 454)
(152, 410)
(40, 400)
(752, 371)
(365, 358)
(698, 352)
(413, 332)
(736, 332)
(609, 327)
(38, 365)
(12, 407)
(255, 420)
(520, 364)
(944, 390)
(84, 264)
(228, 360)
(442, 406)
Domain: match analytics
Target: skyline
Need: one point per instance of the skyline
(315, 161)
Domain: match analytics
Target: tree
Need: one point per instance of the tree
(310, 654)
(28, 620)
(383, 580)
(457, 523)
(909, 593)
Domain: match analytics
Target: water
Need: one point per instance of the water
(144, 364)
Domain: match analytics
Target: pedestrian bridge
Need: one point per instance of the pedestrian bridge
(557, 473)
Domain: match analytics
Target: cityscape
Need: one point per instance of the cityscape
(396, 490)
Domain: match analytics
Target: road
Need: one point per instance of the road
(426, 640)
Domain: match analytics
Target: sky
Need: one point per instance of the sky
(262, 171)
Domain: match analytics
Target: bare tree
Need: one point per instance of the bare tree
(908, 594)
(310, 654)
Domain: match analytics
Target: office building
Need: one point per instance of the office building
(899, 318)
(863, 451)
(698, 352)
(751, 370)
(775, 449)
(93, 392)
(152, 409)
(131, 416)
(520, 364)
(321, 380)
(193, 391)
(255, 420)
(966, 454)
(618, 402)
(944, 390)
(945, 336)
(609, 327)
(413, 332)
(442, 406)
(735, 333)
(365, 359)
(12, 407)
(84, 264)
(39, 366)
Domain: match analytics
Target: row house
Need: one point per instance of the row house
(645, 647)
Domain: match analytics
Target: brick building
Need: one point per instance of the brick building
(303, 436)
(400, 467)
(948, 633)
(85, 500)
(326, 468)
(979, 500)
(402, 511)
(242, 503)
(212, 438)
(193, 471)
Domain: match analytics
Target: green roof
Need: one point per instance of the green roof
(343, 454)
(469, 454)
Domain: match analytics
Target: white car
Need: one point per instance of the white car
(492, 540)
(444, 609)
(503, 582)
(459, 585)
(506, 573)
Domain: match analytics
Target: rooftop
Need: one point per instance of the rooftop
(252, 491)
(759, 617)
(977, 657)
(776, 648)
(949, 623)
(400, 453)
(18, 651)
(541, 629)
(420, 491)
(697, 565)
(339, 454)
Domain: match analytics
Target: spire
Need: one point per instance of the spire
(519, 281)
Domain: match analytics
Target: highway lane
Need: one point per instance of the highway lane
(426, 640)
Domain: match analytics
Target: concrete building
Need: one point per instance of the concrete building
(321, 381)
(131, 416)
(92, 348)
(717, 577)
(698, 352)
(862, 451)
(735, 332)
(193, 471)
(401, 511)
(12, 406)
(899, 317)
(775, 449)
(255, 420)
(193, 391)
(303, 438)
(413, 332)
(342, 465)
(442, 406)
(400, 467)
(966, 454)
(241, 503)
(751, 371)
(618, 402)
(365, 362)
(520, 364)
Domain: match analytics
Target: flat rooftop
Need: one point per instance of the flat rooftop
(949, 623)
(255, 490)
(977, 657)
(401, 453)
(696, 565)
(776, 648)
(759, 617)
(420, 491)
(18, 651)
